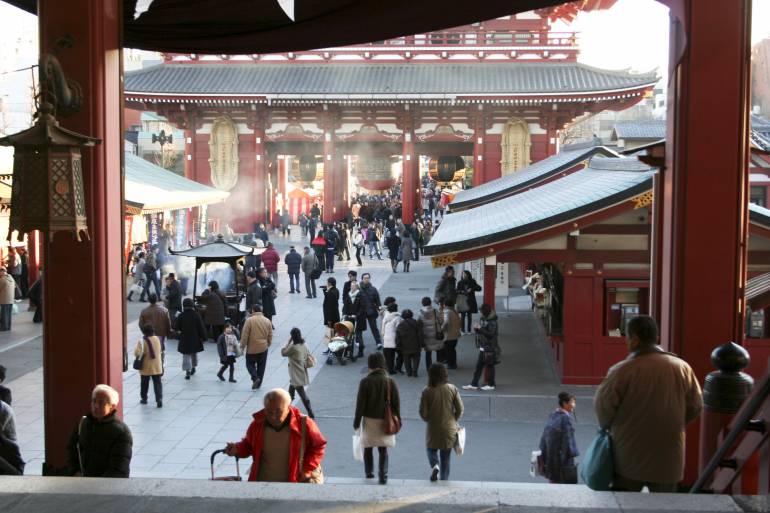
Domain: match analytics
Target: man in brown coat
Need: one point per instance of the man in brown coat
(256, 337)
(646, 401)
(158, 317)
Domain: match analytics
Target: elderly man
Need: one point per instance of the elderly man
(7, 295)
(274, 440)
(100, 444)
(158, 317)
(646, 401)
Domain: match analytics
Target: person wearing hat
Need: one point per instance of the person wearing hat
(293, 261)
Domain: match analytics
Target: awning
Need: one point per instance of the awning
(570, 156)
(606, 183)
(158, 189)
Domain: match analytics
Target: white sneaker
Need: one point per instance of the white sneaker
(470, 387)
(487, 388)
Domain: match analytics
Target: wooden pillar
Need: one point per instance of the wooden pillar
(189, 158)
(330, 189)
(410, 173)
(34, 255)
(260, 175)
(343, 201)
(704, 247)
(283, 165)
(87, 306)
(479, 135)
(490, 273)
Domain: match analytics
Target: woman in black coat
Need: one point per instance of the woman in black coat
(192, 333)
(215, 303)
(268, 293)
(467, 287)
(331, 303)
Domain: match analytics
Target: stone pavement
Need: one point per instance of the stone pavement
(202, 414)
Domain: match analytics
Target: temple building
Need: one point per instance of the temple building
(496, 93)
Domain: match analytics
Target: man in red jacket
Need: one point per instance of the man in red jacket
(274, 438)
(270, 259)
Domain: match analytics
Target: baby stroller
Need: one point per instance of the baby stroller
(342, 342)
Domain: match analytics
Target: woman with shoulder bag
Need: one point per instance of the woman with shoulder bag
(149, 350)
(299, 357)
(441, 408)
(558, 447)
(376, 403)
(466, 300)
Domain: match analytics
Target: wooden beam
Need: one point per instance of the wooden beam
(575, 256)
(616, 229)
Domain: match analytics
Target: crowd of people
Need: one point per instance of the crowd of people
(287, 445)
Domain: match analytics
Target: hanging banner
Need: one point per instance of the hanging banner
(154, 224)
(501, 280)
(180, 228)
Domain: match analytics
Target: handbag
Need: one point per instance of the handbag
(439, 333)
(317, 474)
(459, 446)
(392, 422)
(569, 474)
(598, 466)
(139, 362)
(462, 303)
(536, 464)
(310, 361)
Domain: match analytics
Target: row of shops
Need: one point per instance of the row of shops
(579, 224)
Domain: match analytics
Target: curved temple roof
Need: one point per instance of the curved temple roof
(759, 215)
(363, 81)
(569, 156)
(603, 184)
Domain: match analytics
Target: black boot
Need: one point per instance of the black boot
(360, 351)
(383, 474)
(309, 410)
(369, 463)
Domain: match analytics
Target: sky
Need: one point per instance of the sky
(633, 35)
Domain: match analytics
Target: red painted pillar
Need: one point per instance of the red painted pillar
(330, 188)
(343, 201)
(707, 151)
(189, 159)
(410, 173)
(260, 176)
(85, 307)
(282, 172)
(490, 273)
(34, 256)
(479, 135)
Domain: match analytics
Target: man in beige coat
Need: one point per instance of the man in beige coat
(646, 401)
(7, 295)
(256, 337)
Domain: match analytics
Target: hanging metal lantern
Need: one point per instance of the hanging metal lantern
(47, 192)
(308, 168)
(375, 173)
(447, 167)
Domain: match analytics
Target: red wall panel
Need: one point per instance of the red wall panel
(539, 149)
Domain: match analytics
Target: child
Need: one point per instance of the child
(229, 349)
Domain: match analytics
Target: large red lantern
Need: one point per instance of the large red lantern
(308, 168)
(447, 167)
(374, 172)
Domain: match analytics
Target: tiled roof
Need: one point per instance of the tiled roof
(605, 182)
(569, 156)
(509, 79)
(647, 129)
(757, 287)
(219, 249)
(759, 215)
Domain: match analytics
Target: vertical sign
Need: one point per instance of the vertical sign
(501, 279)
(154, 223)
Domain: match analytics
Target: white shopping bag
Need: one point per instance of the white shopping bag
(536, 464)
(358, 451)
(460, 441)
